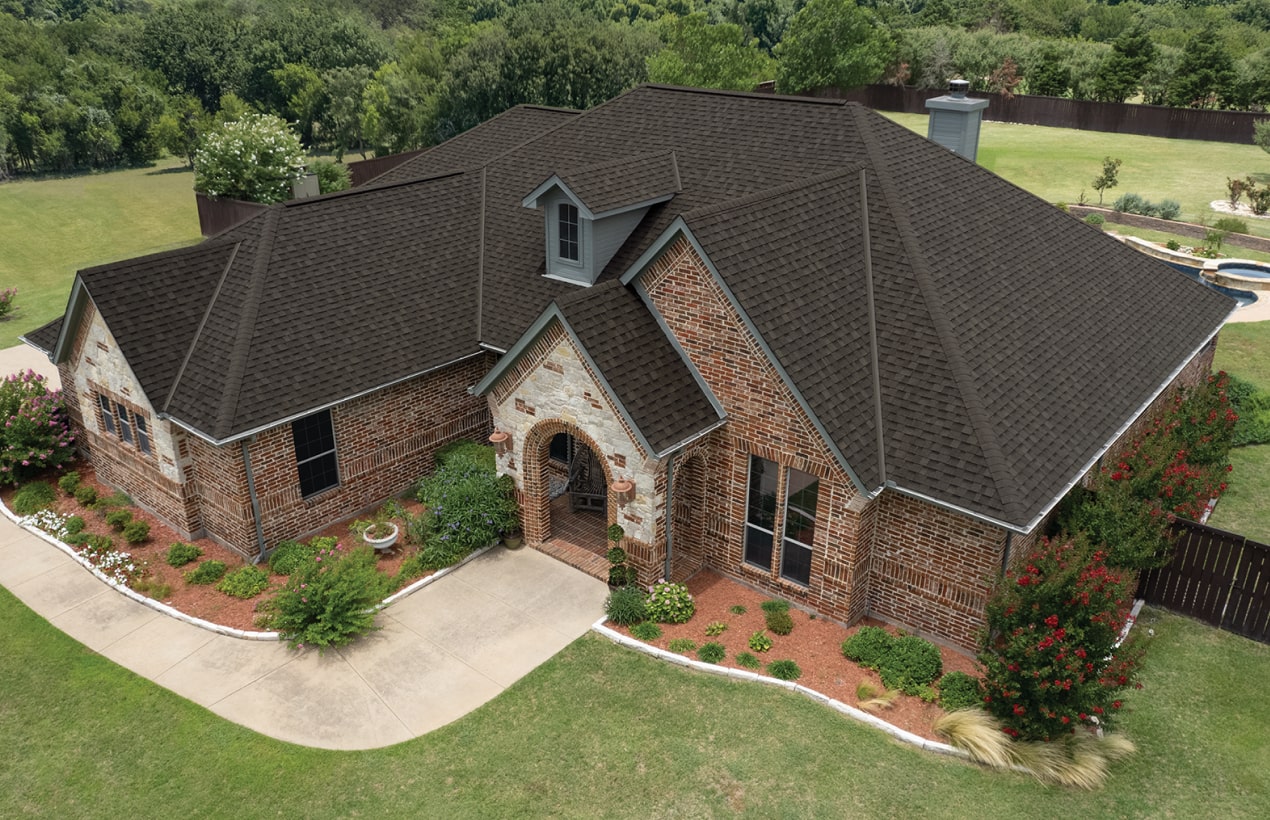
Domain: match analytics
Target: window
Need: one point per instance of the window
(143, 435)
(802, 491)
(315, 453)
(568, 228)
(107, 414)
(125, 429)
(561, 448)
(760, 516)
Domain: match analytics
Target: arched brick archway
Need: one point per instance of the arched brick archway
(687, 517)
(535, 500)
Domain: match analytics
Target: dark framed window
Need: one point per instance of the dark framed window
(802, 492)
(315, 453)
(760, 513)
(125, 429)
(107, 414)
(561, 448)
(568, 231)
(143, 435)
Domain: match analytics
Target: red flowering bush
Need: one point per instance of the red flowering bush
(1048, 656)
(35, 434)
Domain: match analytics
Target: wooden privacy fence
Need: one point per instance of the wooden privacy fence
(1216, 576)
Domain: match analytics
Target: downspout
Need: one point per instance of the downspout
(670, 511)
(1005, 554)
(255, 502)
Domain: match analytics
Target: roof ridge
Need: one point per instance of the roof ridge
(198, 332)
(609, 163)
(367, 188)
(754, 197)
(237, 365)
(1003, 476)
(197, 247)
(757, 95)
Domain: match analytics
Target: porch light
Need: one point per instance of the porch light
(502, 442)
(623, 491)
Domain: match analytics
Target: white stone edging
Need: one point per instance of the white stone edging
(742, 674)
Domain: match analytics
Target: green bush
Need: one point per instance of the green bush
(670, 603)
(244, 582)
(747, 661)
(136, 532)
(957, 690)
(328, 601)
(465, 450)
(683, 645)
(468, 504)
(287, 557)
(97, 545)
(1168, 209)
(760, 641)
(1173, 245)
(69, 483)
(626, 606)
(1097, 220)
(779, 621)
(784, 670)
(118, 519)
(34, 435)
(911, 663)
(208, 572)
(868, 646)
(716, 628)
(153, 588)
(1231, 224)
(74, 525)
(775, 605)
(33, 497)
(646, 631)
(616, 556)
(85, 495)
(712, 652)
(737, 609)
(181, 553)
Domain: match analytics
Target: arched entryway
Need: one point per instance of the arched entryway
(688, 493)
(566, 493)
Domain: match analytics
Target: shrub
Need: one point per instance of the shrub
(775, 605)
(244, 582)
(118, 519)
(616, 556)
(74, 525)
(780, 622)
(181, 553)
(716, 628)
(332, 176)
(910, 664)
(737, 609)
(7, 297)
(69, 483)
(957, 690)
(468, 504)
(626, 606)
(85, 495)
(1230, 224)
(623, 576)
(1053, 662)
(1131, 204)
(670, 603)
(615, 533)
(712, 652)
(465, 451)
(1097, 220)
(35, 435)
(254, 157)
(646, 631)
(136, 532)
(153, 588)
(784, 670)
(289, 555)
(97, 545)
(683, 645)
(868, 646)
(1173, 245)
(49, 521)
(747, 661)
(760, 641)
(208, 572)
(328, 601)
(1168, 209)
(33, 497)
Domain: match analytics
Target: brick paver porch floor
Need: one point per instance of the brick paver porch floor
(578, 539)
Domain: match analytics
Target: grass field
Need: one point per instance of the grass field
(602, 731)
(1057, 163)
(1244, 349)
(50, 228)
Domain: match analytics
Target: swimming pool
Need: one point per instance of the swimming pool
(1243, 297)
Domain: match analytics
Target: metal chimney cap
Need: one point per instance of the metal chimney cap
(958, 88)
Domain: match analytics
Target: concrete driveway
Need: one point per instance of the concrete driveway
(442, 652)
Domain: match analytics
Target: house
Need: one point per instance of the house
(783, 338)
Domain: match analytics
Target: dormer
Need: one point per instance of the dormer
(589, 212)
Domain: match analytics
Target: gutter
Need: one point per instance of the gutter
(255, 501)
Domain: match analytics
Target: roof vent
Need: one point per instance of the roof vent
(954, 120)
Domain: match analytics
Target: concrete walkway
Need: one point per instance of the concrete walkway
(442, 652)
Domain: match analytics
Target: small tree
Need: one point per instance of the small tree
(1109, 178)
(35, 434)
(708, 55)
(832, 43)
(253, 158)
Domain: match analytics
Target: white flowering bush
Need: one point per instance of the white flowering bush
(253, 158)
(52, 523)
(118, 566)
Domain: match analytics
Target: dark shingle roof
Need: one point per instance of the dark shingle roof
(44, 337)
(610, 186)
(1013, 340)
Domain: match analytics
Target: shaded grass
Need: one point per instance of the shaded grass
(1244, 349)
(601, 731)
(1057, 163)
(54, 227)
(1245, 506)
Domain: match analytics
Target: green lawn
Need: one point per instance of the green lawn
(1244, 349)
(602, 731)
(1056, 163)
(50, 228)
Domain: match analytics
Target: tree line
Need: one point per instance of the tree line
(101, 83)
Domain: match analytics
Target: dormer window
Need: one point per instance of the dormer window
(568, 231)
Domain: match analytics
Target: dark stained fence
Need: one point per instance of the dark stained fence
(1216, 576)
(216, 215)
(365, 170)
(1087, 115)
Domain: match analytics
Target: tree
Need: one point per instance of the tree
(1121, 74)
(398, 108)
(1050, 76)
(342, 114)
(1109, 178)
(254, 158)
(1261, 134)
(832, 43)
(709, 56)
(181, 127)
(1205, 75)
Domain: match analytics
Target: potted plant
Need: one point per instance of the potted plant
(378, 533)
(621, 574)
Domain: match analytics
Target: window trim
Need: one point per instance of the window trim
(576, 225)
(786, 539)
(139, 426)
(776, 562)
(745, 540)
(107, 414)
(333, 452)
(125, 425)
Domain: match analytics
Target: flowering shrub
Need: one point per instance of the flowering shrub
(35, 435)
(469, 506)
(669, 603)
(253, 158)
(52, 523)
(6, 301)
(1049, 657)
(328, 601)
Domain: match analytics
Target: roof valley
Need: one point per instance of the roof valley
(1003, 476)
(198, 332)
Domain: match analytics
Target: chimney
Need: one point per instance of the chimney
(305, 186)
(954, 120)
